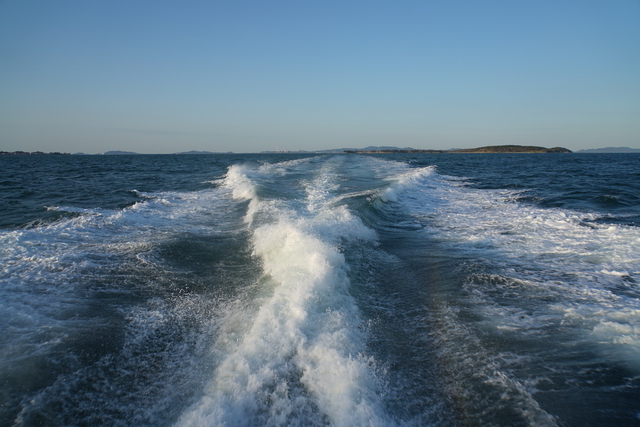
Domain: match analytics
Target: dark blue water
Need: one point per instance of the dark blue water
(294, 289)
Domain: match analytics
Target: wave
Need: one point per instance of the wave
(565, 253)
(299, 359)
(325, 290)
(99, 323)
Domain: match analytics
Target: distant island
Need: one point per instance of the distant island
(488, 149)
(513, 149)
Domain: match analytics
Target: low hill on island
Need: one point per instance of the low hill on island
(513, 149)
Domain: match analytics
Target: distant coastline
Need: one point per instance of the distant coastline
(32, 153)
(369, 149)
(487, 149)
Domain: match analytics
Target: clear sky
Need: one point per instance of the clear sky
(247, 76)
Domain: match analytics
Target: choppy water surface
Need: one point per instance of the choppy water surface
(268, 290)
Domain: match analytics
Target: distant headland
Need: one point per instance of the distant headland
(488, 149)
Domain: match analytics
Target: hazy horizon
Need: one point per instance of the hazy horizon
(164, 77)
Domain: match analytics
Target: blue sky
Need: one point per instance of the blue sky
(248, 76)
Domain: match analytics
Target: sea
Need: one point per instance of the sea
(342, 289)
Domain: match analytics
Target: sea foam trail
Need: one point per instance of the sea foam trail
(537, 279)
(97, 328)
(590, 270)
(299, 360)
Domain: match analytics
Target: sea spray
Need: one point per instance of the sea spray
(301, 361)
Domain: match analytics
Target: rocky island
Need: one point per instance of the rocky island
(513, 149)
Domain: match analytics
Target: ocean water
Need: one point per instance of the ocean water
(320, 290)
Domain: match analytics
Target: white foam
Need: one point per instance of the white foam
(615, 273)
(587, 269)
(46, 272)
(411, 179)
(239, 182)
(300, 360)
(243, 188)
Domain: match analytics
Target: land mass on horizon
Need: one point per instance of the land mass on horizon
(378, 149)
(487, 149)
